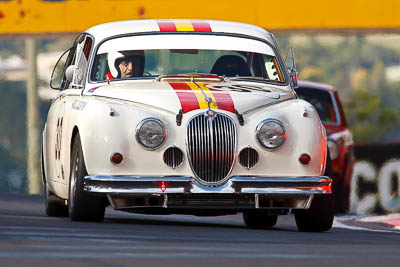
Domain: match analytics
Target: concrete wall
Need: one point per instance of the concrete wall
(375, 184)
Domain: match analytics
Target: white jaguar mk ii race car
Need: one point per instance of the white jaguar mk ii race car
(183, 117)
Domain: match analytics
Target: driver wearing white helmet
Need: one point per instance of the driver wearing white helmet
(125, 64)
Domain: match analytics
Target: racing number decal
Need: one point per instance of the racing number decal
(58, 138)
(57, 149)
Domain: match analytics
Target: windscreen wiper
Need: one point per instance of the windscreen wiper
(250, 78)
(185, 76)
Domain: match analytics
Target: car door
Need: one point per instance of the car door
(68, 77)
(54, 124)
(67, 105)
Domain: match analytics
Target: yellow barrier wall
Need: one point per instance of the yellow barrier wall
(62, 16)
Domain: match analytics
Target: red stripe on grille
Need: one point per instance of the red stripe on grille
(166, 25)
(188, 99)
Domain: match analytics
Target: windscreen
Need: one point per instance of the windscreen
(152, 56)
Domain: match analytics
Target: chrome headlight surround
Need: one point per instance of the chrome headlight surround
(270, 134)
(151, 133)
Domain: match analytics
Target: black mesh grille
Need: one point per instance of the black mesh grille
(248, 157)
(173, 157)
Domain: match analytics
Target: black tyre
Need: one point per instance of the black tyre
(319, 217)
(53, 205)
(259, 219)
(82, 206)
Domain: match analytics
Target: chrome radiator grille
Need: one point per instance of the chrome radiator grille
(211, 148)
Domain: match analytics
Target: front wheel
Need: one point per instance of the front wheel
(319, 217)
(81, 206)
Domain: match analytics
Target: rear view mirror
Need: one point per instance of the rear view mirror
(290, 63)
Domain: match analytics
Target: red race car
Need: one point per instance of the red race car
(325, 99)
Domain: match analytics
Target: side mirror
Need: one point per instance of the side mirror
(69, 73)
(58, 77)
(290, 63)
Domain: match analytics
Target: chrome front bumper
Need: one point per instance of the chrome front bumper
(244, 192)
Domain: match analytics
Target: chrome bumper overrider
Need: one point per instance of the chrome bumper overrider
(237, 192)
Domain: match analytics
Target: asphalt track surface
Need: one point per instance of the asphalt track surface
(29, 238)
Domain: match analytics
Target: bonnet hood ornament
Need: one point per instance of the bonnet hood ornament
(209, 113)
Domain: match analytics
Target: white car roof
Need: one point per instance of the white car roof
(105, 30)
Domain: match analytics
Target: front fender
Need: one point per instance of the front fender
(305, 134)
(108, 127)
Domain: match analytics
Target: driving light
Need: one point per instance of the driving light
(270, 133)
(151, 133)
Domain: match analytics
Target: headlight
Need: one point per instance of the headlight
(151, 133)
(333, 149)
(270, 133)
